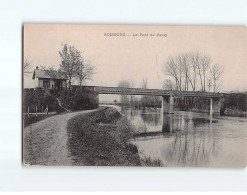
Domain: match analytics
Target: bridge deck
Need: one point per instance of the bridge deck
(153, 92)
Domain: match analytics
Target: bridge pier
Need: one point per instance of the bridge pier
(215, 104)
(167, 123)
(168, 104)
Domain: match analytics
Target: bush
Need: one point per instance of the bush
(79, 99)
(235, 101)
(39, 98)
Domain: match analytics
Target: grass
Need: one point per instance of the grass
(147, 161)
(102, 139)
(33, 118)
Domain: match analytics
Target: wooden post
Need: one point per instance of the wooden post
(36, 111)
(47, 110)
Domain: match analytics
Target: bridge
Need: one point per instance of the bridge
(153, 92)
(167, 96)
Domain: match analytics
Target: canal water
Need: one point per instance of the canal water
(190, 139)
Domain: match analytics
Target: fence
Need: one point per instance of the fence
(36, 113)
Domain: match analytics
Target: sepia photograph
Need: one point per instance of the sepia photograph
(134, 95)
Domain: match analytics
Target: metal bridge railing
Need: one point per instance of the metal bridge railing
(155, 92)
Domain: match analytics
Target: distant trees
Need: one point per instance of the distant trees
(144, 84)
(51, 71)
(26, 67)
(143, 101)
(147, 100)
(144, 98)
(124, 98)
(189, 69)
(216, 72)
(168, 85)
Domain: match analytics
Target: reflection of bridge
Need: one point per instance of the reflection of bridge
(167, 96)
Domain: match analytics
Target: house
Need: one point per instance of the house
(48, 80)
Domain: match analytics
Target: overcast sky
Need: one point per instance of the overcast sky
(134, 58)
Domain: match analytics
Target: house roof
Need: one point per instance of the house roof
(45, 74)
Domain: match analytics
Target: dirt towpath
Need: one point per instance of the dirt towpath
(45, 142)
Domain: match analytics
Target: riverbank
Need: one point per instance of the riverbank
(102, 138)
(234, 112)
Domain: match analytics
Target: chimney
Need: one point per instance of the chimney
(37, 67)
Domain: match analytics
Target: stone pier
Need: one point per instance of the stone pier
(215, 104)
(168, 104)
(167, 123)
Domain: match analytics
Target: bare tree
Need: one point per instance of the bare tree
(218, 85)
(170, 68)
(185, 63)
(70, 60)
(188, 68)
(205, 62)
(179, 63)
(216, 72)
(84, 71)
(194, 69)
(26, 67)
(195, 59)
(209, 83)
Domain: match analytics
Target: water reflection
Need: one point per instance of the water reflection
(191, 149)
(189, 138)
(168, 124)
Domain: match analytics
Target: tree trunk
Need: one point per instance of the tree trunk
(214, 85)
(204, 81)
(200, 78)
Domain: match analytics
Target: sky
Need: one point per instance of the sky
(136, 57)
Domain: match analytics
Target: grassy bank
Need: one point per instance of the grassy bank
(102, 139)
(33, 118)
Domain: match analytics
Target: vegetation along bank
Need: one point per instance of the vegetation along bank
(102, 138)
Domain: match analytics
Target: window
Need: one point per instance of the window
(46, 84)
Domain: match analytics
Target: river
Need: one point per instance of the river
(189, 139)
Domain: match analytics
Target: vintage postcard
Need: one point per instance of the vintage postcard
(134, 95)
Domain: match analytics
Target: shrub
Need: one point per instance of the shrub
(39, 98)
(236, 101)
(79, 98)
